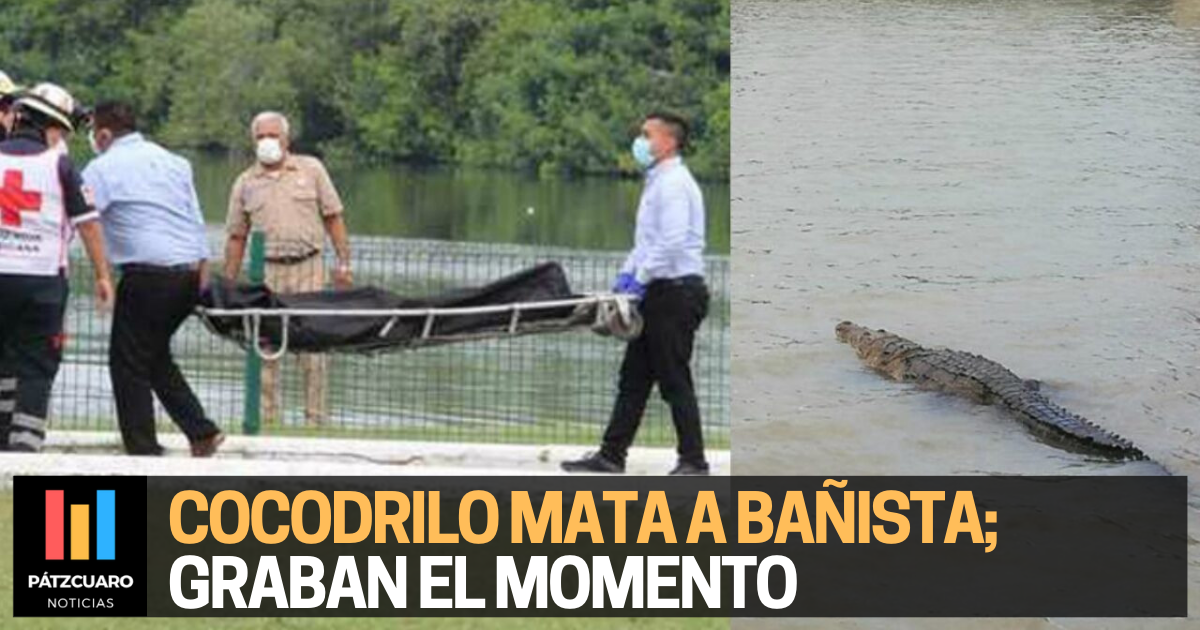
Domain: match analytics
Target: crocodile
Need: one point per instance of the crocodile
(986, 382)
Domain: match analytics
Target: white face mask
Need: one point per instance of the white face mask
(269, 151)
(92, 142)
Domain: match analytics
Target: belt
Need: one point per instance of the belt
(145, 268)
(682, 281)
(292, 260)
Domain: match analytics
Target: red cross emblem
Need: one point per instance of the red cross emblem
(14, 199)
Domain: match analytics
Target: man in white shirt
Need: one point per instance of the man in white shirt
(666, 270)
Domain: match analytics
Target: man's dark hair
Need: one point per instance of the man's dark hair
(115, 116)
(675, 124)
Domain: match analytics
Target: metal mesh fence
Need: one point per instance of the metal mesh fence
(555, 388)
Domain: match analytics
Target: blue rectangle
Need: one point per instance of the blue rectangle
(106, 524)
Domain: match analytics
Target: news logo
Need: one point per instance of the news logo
(81, 533)
(79, 546)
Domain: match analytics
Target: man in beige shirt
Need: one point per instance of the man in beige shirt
(292, 200)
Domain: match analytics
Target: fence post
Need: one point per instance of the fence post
(253, 379)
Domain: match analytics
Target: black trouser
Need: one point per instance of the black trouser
(31, 339)
(671, 311)
(152, 303)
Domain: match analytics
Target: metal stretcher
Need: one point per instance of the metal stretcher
(606, 314)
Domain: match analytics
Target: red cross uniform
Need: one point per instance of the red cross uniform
(34, 229)
(41, 198)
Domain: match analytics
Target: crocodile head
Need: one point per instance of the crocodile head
(845, 329)
(857, 336)
(878, 349)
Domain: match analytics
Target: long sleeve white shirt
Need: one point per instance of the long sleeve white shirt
(669, 237)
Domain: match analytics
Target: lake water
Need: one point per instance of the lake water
(491, 206)
(1015, 178)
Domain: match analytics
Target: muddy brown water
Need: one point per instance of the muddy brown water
(1017, 178)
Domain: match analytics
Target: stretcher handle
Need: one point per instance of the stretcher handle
(256, 327)
(515, 320)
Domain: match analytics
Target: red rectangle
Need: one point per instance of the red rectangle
(54, 524)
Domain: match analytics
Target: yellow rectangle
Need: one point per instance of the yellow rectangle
(81, 526)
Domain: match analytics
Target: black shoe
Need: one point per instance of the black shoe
(596, 463)
(690, 468)
(206, 446)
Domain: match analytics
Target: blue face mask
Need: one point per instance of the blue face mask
(641, 152)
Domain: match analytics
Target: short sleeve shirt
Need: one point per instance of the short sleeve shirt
(288, 204)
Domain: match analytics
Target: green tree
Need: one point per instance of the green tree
(559, 86)
(224, 68)
(77, 43)
(402, 99)
(554, 86)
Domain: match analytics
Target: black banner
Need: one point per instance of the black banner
(613, 546)
(1064, 547)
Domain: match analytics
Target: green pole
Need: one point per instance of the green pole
(251, 422)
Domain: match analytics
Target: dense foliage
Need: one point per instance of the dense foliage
(552, 85)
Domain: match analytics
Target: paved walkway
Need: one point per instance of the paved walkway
(98, 453)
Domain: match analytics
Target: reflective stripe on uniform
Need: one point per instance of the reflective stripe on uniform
(8, 406)
(27, 438)
(28, 422)
(8, 384)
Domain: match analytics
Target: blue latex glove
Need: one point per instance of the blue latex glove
(627, 283)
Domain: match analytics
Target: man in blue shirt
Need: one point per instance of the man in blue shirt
(155, 235)
(665, 269)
